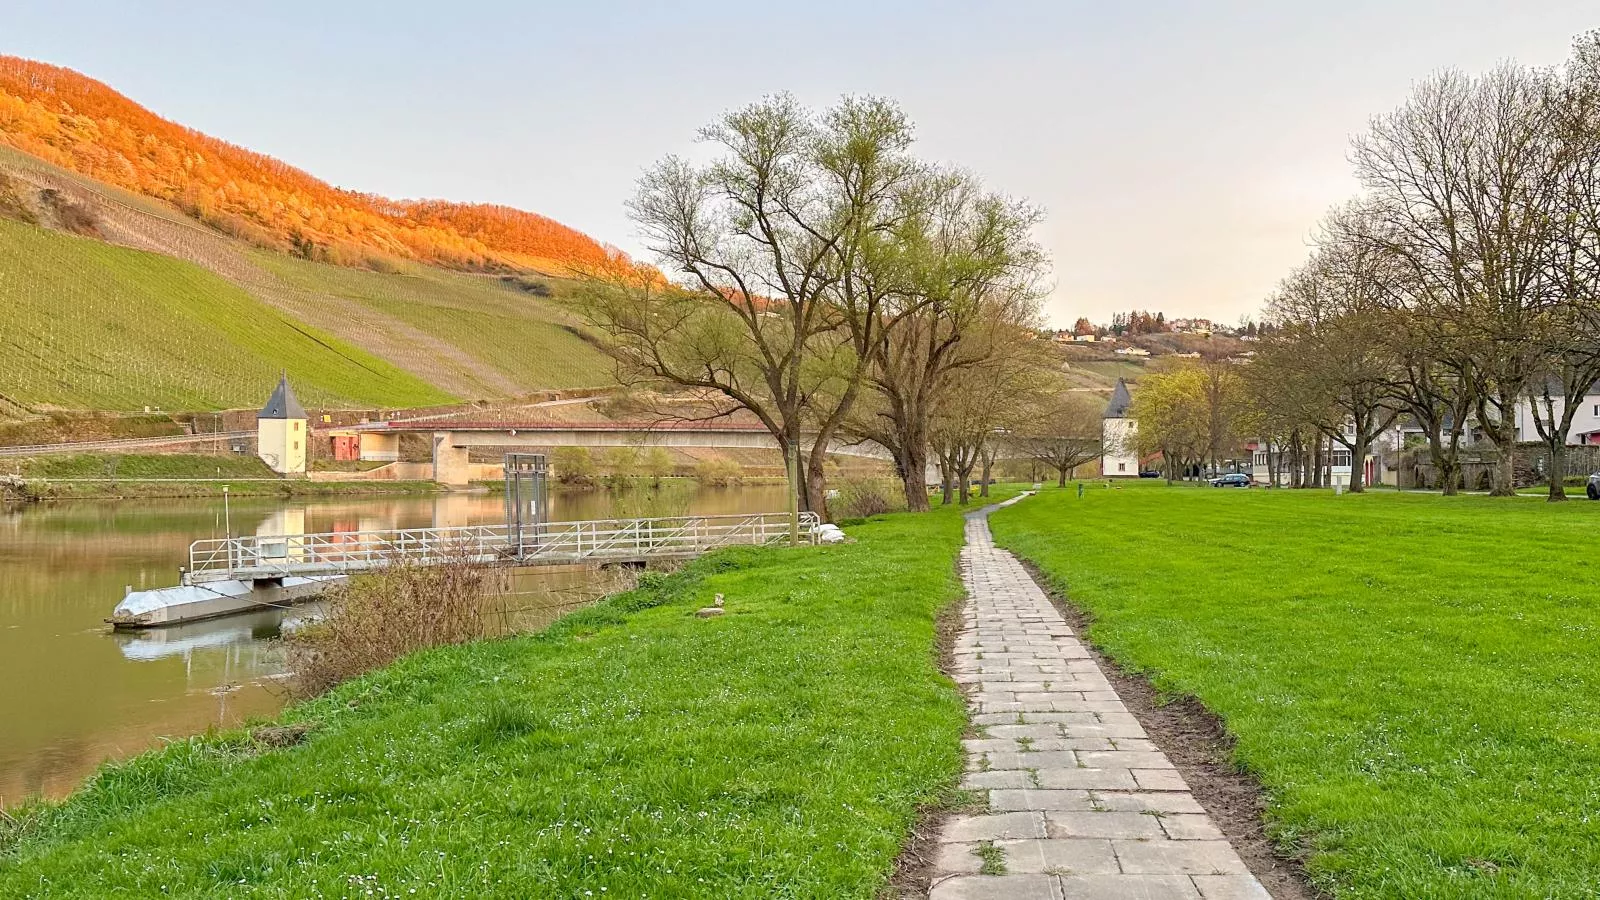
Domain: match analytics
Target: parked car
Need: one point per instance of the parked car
(1236, 479)
(1150, 473)
(1593, 487)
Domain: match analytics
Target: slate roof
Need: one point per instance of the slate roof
(283, 404)
(1120, 401)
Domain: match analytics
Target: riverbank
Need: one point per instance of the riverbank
(156, 476)
(632, 749)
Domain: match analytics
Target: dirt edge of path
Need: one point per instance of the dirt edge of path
(1194, 739)
(913, 868)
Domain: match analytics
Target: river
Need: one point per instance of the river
(74, 694)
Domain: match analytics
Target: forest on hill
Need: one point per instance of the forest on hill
(85, 126)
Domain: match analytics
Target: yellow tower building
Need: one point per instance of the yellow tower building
(281, 434)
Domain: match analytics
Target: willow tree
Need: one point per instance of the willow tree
(966, 289)
(763, 247)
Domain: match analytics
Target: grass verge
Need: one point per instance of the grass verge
(1410, 677)
(632, 750)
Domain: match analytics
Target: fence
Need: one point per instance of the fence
(338, 553)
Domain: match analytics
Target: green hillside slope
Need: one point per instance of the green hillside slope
(529, 340)
(87, 325)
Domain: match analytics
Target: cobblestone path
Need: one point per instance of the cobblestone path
(1082, 804)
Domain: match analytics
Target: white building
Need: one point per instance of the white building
(1585, 423)
(1119, 436)
(281, 436)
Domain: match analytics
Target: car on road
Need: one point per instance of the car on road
(1593, 487)
(1236, 479)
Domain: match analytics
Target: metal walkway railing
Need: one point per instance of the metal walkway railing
(349, 552)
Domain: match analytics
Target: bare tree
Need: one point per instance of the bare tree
(980, 406)
(1062, 431)
(1464, 184)
(1333, 320)
(1569, 333)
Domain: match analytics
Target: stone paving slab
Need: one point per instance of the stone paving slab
(1081, 803)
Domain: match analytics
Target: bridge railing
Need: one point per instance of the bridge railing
(346, 552)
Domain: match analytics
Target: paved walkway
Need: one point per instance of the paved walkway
(1082, 804)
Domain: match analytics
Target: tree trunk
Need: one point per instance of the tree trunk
(816, 483)
(1358, 465)
(913, 464)
(946, 480)
(1504, 481)
(1061, 477)
(1558, 469)
(983, 478)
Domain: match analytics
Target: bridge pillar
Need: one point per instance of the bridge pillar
(449, 461)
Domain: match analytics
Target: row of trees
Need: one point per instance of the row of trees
(1462, 282)
(1199, 416)
(836, 286)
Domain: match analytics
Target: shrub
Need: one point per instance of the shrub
(573, 465)
(862, 497)
(375, 619)
(623, 463)
(11, 205)
(718, 472)
(658, 463)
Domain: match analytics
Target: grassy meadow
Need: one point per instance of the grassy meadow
(88, 325)
(1415, 679)
(632, 750)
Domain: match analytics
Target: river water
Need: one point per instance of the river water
(74, 694)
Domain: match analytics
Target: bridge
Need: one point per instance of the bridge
(235, 574)
(453, 440)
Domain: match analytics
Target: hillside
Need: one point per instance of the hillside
(86, 325)
(435, 335)
(84, 126)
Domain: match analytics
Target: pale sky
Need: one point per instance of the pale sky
(1182, 151)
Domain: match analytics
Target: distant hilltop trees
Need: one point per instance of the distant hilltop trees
(83, 125)
(1141, 322)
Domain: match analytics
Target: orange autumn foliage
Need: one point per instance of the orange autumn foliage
(84, 126)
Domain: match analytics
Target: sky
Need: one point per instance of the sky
(1182, 151)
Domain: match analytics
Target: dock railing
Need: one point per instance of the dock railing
(261, 557)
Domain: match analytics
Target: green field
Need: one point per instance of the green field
(1415, 679)
(528, 339)
(87, 325)
(633, 750)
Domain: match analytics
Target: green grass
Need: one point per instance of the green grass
(527, 338)
(633, 750)
(1414, 679)
(137, 466)
(87, 325)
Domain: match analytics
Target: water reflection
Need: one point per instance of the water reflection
(73, 694)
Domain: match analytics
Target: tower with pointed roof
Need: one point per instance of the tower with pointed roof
(1119, 436)
(281, 431)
